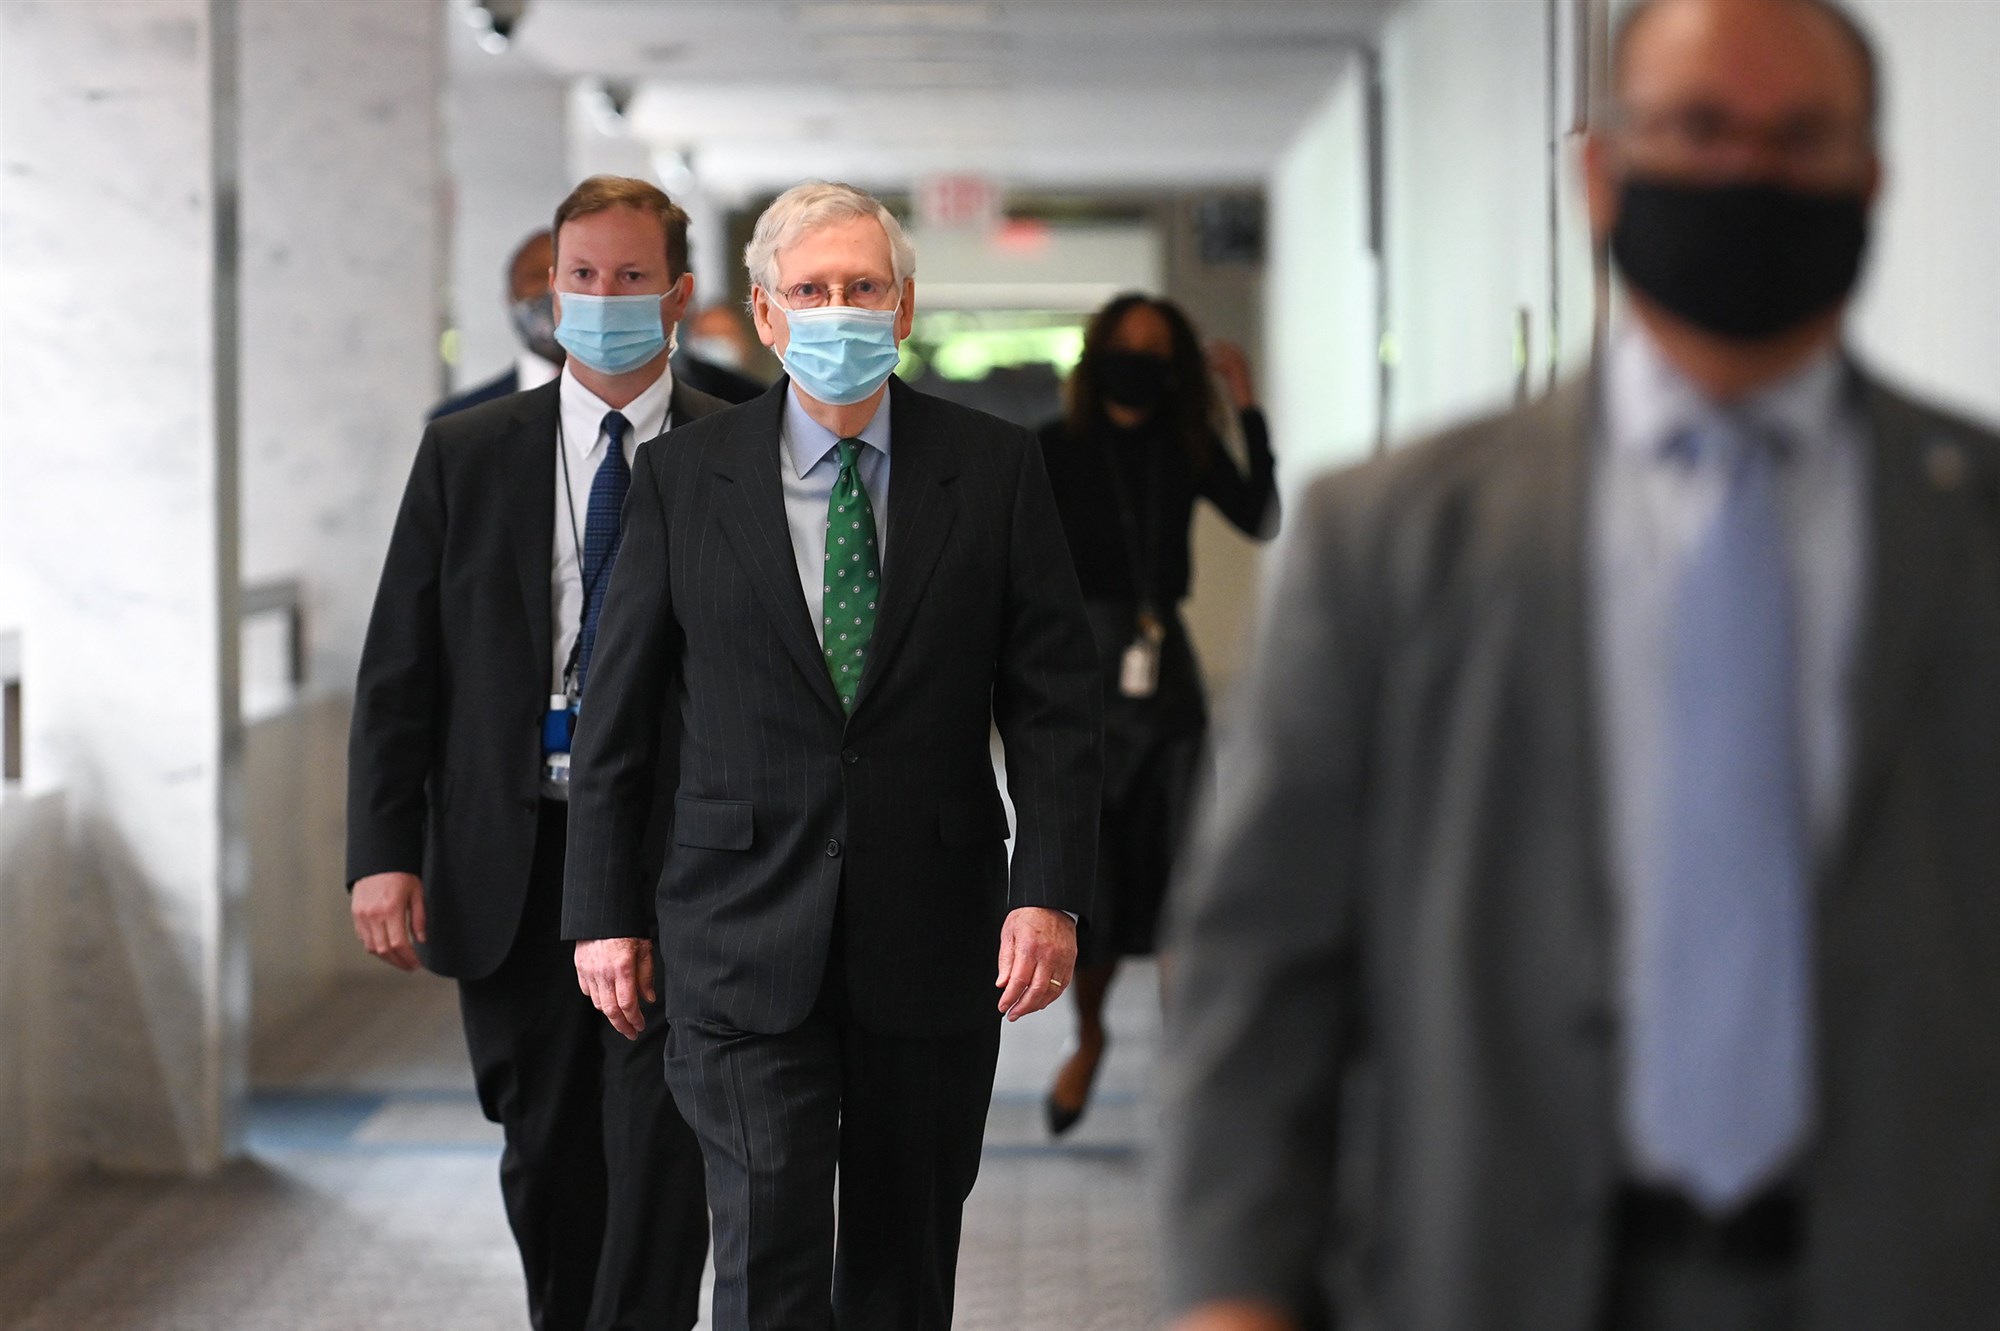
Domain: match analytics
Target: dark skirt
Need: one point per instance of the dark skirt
(1154, 750)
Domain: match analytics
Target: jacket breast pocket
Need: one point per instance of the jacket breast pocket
(972, 822)
(713, 824)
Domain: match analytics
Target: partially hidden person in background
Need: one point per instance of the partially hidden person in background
(713, 354)
(531, 312)
(1135, 450)
(477, 658)
(1601, 927)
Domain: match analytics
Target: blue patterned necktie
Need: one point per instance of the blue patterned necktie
(600, 535)
(1721, 1034)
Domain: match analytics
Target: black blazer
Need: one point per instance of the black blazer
(499, 386)
(444, 753)
(787, 808)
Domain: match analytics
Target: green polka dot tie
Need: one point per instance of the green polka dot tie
(853, 576)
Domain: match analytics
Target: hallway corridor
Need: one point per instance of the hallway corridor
(367, 1200)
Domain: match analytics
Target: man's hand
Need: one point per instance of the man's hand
(615, 973)
(388, 911)
(1037, 955)
(1234, 1317)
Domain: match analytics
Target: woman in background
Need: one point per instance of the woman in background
(1136, 446)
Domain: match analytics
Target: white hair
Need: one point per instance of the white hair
(815, 204)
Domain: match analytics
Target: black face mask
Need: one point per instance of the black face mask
(1745, 261)
(1133, 380)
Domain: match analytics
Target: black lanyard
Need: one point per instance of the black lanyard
(1142, 543)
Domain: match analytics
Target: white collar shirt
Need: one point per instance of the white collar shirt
(581, 443)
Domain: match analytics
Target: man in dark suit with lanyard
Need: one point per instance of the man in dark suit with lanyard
(838, 648)
(477, 654)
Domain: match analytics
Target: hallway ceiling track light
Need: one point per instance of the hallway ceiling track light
(675, 169)
(612, 99)
(495, 22)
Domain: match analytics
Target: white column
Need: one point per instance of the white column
(507, 161)
(342, 236)
(119, 522)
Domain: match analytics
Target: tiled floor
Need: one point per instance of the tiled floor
(367, 1200)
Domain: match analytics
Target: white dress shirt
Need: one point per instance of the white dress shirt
(581, 445)
(531, 371)
(811, 466)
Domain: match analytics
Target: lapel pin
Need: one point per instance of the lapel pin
(1946, 464)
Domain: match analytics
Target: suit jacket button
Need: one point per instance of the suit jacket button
(832, 849)
(528, 806)
(849, 756)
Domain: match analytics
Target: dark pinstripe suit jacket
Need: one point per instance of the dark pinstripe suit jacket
(444, 751)
(787, 807)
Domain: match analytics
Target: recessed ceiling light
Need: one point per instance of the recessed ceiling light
(906, 45)
(881, 17)
(923, 74)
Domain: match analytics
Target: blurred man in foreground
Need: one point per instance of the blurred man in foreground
(1601, 923)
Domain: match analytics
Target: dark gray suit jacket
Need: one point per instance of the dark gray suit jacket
(1393, 1070)
(789, 811)
(444, 758)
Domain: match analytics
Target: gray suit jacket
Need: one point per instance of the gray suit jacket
(1394, 1071)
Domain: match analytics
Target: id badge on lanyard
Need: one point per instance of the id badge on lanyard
(558, 729)
(1139, 669)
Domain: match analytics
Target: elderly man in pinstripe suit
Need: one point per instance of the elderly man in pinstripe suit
(838, 887)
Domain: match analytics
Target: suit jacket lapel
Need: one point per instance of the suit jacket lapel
(527, 458)
(1911, 537)
(750, 509)
(921, 509)
(1565, 428)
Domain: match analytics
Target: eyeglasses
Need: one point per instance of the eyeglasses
(868, 293)
(1702, 137)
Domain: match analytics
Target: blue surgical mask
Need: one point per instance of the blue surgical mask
(611, 334)
(840, 354)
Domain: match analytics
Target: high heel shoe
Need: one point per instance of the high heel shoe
(1061, 1117)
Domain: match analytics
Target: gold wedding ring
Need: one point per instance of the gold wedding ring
(1056, 983)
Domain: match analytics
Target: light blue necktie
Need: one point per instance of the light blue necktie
(1722, 1032)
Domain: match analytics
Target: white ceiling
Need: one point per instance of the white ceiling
(1097, 94)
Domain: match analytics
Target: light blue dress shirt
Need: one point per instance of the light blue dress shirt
(1648, 506)
(809, 469)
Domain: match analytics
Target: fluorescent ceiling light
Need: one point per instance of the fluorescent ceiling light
(877, 17)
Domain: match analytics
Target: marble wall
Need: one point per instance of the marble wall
(119, 526)
(507, 166)
(342, 280)
(221, 245)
